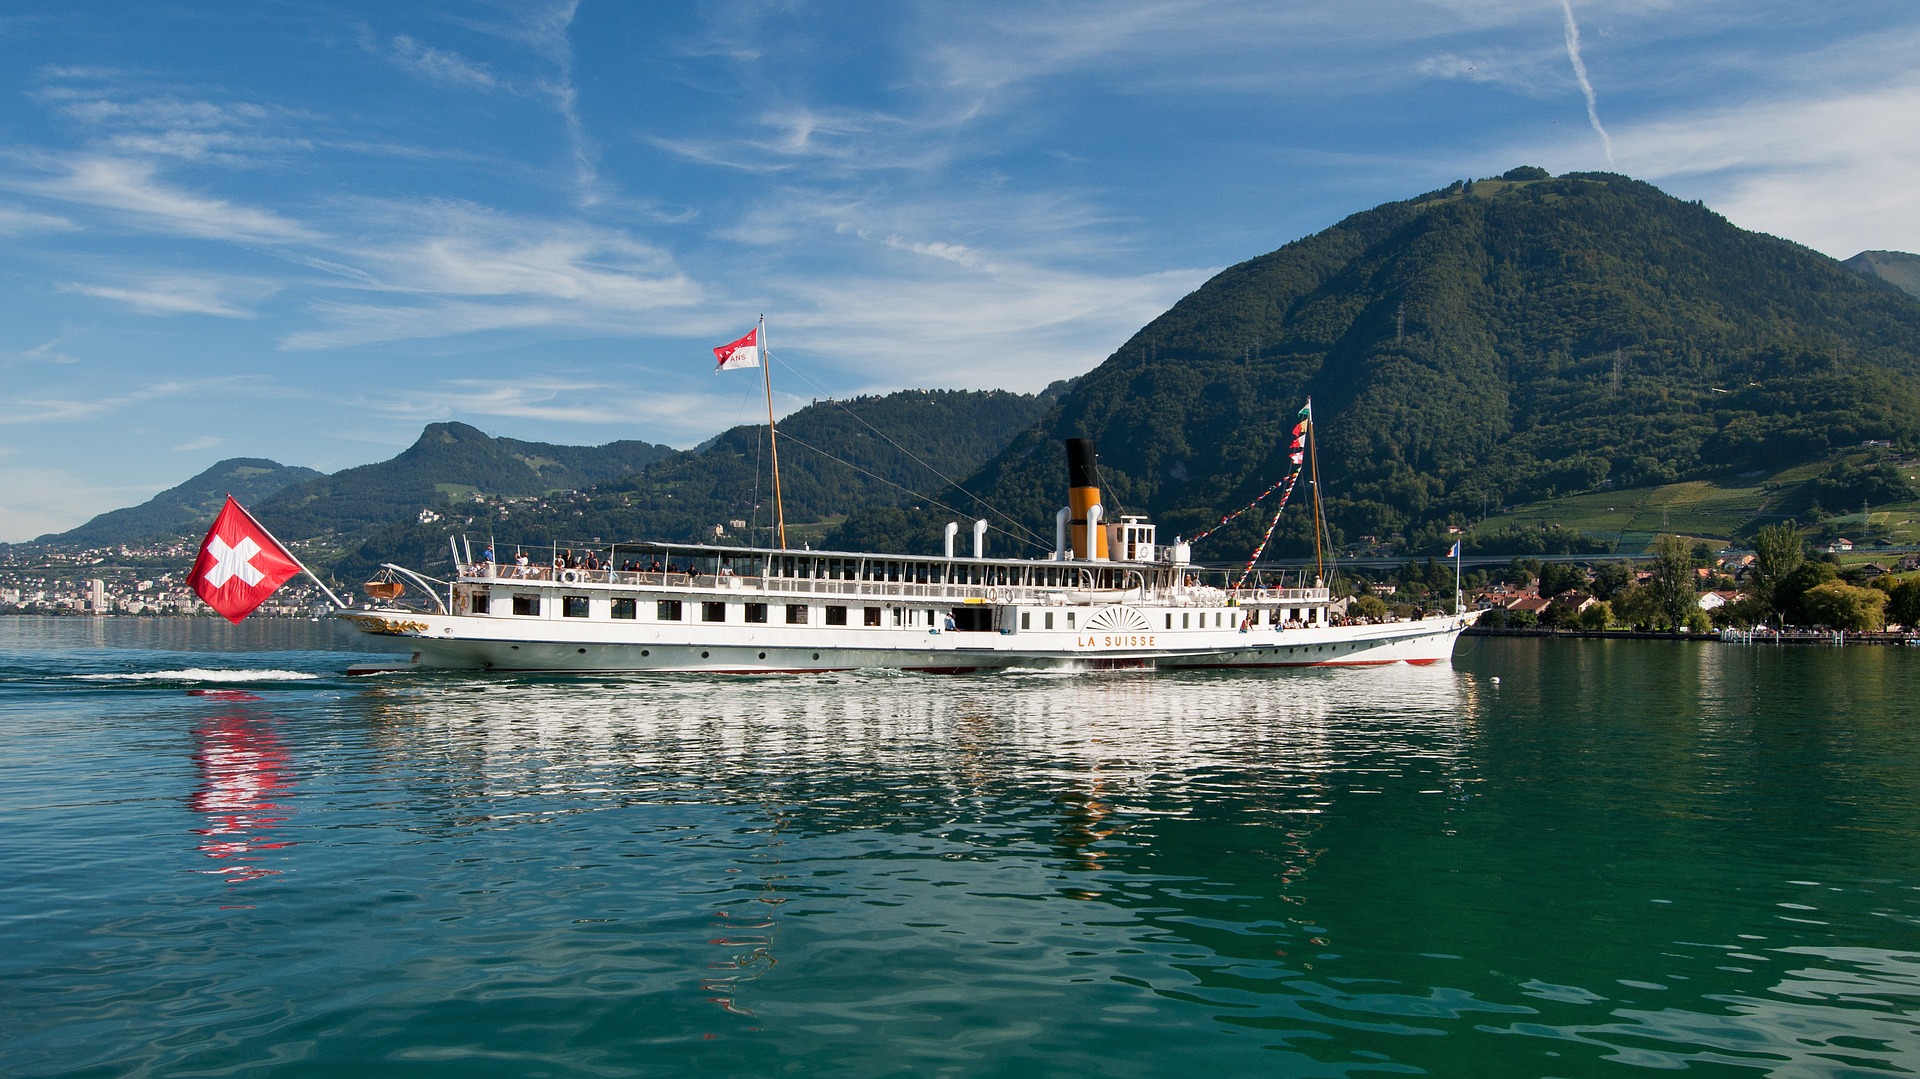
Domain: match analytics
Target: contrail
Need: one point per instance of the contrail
(1580, 73)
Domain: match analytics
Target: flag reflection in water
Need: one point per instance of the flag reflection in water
(243, 773)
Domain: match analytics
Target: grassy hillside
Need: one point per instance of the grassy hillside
(1729, 509)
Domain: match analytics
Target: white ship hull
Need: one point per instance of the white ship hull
(1133, 629)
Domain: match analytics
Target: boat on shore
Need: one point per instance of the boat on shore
(1110, 596)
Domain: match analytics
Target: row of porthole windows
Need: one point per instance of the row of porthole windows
(1187, 619)
(673, 610)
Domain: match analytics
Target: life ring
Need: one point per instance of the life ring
(569, 576)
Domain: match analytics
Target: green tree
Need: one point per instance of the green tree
(1787, 594)
(1598, 616)
(1839, 605)
(1672, 583)
(1778, 550)
(1369, 606)
(1556, 578)
(1903, 603)
(1745, 611)
(1611, 577)
(1633, 606)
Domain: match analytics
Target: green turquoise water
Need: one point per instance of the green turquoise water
(1553, 858)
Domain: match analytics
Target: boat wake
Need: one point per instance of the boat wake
(200, 674)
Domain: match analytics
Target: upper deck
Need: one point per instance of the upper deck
(685, 569)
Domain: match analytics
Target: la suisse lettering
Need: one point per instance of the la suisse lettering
(1116, 640)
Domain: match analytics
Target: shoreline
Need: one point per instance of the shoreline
(1807, 636)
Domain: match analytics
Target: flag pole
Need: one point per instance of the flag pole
(773, 436)
(296, 558)
(1319, 522)
(1458, 546)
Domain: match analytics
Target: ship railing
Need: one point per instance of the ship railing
(823, 586)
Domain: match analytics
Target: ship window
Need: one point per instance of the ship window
(669, 610)
(1049, 620)
(1069, 619)
(1184, 617)
(1216, 620)
(625, 608)
(481, 602)
(873, 616)
(796, 614)
(573, 606)
(836, 616)
(1026, 620)
(713, 612)
(756, 612)
(526, 605)
(1169, 619)
(899, 617)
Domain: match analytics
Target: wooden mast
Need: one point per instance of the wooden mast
(773, 436)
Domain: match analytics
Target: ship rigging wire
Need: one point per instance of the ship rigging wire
(1031, 536)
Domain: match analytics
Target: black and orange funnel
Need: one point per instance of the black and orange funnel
(1083, 493)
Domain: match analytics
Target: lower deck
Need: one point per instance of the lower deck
(1109, 641)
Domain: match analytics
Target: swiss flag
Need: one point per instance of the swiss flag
(239, 564)
(742, 353)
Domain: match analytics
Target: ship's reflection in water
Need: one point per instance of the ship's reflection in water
(1066, 786)
(245, 781)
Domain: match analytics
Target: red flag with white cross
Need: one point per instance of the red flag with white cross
(240, 565)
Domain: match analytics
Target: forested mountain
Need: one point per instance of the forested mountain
(1488, 343)
(1895, 268)
(448, 465)
(835, 457)
(189, 507)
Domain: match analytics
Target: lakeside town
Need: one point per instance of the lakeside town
(1833, 588)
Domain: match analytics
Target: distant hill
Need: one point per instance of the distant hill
(188, 508)
(835, 457)
(1490, 343)
(1896, 268)
(449, 464)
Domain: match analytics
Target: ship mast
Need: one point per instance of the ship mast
(773, 436)
(1319, 522)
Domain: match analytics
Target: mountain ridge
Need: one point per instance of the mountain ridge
(186, 507)
(1490, 342)
(1895, 269)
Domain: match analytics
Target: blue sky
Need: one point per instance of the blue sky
(303, 230)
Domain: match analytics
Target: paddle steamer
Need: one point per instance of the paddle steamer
(1110, 596)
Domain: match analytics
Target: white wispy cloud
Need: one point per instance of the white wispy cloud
(1580, 75)
(1833, 171)
(15, 222)
(673, 416)
(442, 269)
(442, 66)
(180, 294)
(204, 442)
(48, 352)
(132, 188)
(36, 408)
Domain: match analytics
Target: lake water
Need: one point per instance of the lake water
(1553, 858)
